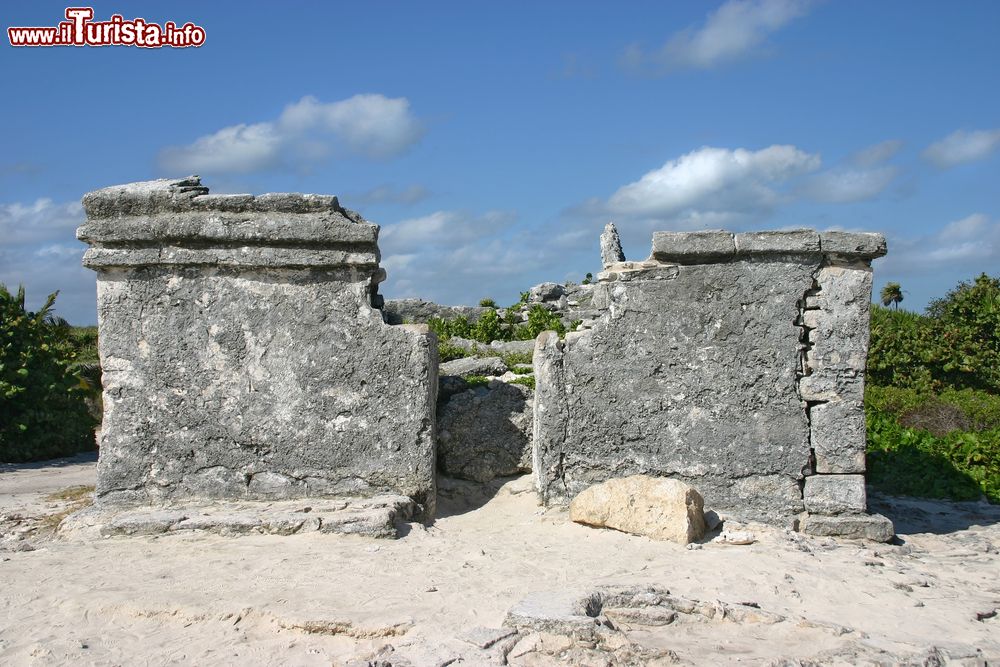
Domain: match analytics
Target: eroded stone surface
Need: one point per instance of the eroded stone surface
(485, 432)
(874, 527)
(241, 354)
(663, 509)
(473, 366)
(378, 517)
(835, 494)
(691, 374)
(611, 246)
(727, 361)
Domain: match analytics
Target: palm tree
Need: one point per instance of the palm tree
(892, 293)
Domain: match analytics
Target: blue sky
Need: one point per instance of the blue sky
(493, 142)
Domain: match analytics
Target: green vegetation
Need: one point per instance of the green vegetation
(488, 303)
(490, 326)
(933, 395)
(527, 381)
(43, 413)
(477, 380)
(892, 293)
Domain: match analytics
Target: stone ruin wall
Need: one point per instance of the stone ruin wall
(734, 362)
(246, 357)
(241, 353)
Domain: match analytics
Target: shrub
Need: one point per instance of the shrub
(955, 346)
(904, 461)
(539, 320)
(512, 359)
(449, 351)
(981, 409)
(488, 303)
(456, 326)
(42, 409)
(477, 380)
(527, 381)
(489, 328)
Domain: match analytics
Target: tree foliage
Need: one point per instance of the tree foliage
(955, 345)
(42, 409)
(933, 395)
(892, 293)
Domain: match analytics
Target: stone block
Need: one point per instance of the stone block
(485, 432)
(874, 527)
(693, 247)
(473, 366)
(856, 245)
(663, 509)
(837, 432)
(791, 241)
(835, 494)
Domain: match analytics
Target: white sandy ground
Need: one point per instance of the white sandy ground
(316, 599)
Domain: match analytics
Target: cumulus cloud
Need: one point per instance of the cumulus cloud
(878, 153)
(38, 249)
(441, 229)
(960, 147)
(971, 243)
(731, 32)
(847, 185)
(713, 184)
(306, 132)
(459, 257)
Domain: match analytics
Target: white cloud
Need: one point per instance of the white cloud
(731, 32)
(844, 185)
(455, 257)
(39, 221)
(877, 154)
(308, 131)
(441, 229)
(713, 183)
(38, 249)
(961, 146)
(971, 244)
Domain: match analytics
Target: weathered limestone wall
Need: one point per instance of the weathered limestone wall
(242, 357)
(734, 362)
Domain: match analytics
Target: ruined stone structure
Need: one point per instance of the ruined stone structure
(242, 355)
(247, 358)
(733, 362)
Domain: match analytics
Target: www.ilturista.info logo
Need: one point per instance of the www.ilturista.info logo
(80, 30)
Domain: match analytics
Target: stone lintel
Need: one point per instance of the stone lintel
(99, 258)
(707, 247)
(867, 245)
(174, 195)
(693, 247)
(225, 228)
(175, 222)
(791, 241)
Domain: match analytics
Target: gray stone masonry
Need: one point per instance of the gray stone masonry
(243, 359)
(733, 362)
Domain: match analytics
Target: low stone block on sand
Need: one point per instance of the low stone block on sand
(659, 508)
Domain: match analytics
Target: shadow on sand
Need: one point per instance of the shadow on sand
(919, 515)
(84, 457)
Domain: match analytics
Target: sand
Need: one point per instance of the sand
(424, 599)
